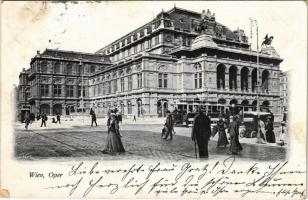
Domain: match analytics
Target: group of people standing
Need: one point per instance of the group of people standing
(202, 132)
(30, 117)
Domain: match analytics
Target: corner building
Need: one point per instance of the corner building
(58, 81)
(181, 60)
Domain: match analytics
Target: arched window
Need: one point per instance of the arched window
(44, 67)
(244, 79)
(265, 81)
(57, 67)
(129, 107)
(254, 80)
(69, 68)
(92, 69)
(45, 108)
(220, 76)
(245, 104)
(233, 78)
(57, 109)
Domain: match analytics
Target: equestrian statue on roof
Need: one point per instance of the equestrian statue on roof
(267, 40)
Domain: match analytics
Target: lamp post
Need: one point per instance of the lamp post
(254, 23)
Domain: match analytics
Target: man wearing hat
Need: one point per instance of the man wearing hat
(270, 135)
(235, 145)
(169, 126)
(201, 133)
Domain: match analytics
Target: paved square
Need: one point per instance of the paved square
(141, 141)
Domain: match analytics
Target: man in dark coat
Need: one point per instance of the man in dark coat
(269, 128)
(235, 145)
(201, 133)
(169, 126)
(27, 120)
(93, 117)
(58, 118)
(44, 119)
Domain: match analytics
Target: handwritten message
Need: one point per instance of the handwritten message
(203, 179)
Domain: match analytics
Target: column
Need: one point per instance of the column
(226, 77)
(238, 80)
(249, 81)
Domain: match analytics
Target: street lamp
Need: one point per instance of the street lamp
(254, 23)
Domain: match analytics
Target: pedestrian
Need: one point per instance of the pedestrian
(235, 145)
(270, 135)
(201, 133)
(222, 136)
(44, 119)
(168, 126)
(27, 120)
(134, 118)
(114, 143)
(261, 131)
(282, 137)
(58, 118)
(119, 117)
(32, 118)
(93, 119)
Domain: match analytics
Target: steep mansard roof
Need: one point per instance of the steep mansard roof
(74, 55)
(178, 14)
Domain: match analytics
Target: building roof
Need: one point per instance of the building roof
(74, 55)
(172, 14)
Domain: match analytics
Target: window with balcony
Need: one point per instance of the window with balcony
(129, 107)
(92, 69)
(83, 91)
(122, 84)
(57, 90)
(115, 86)
(109, 87)
(79, 69)
(44, 67)
(69, 68)
(139, 79)
(70, 91)
(57, 67)
(198, 80)
(44, 89)
(156, 39)
(162, 80)
(130, 83)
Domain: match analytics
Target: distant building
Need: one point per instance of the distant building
(59, 80)
(180, 60)
(284, 91)
(22, 95)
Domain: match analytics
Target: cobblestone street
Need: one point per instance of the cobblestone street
(141, 141)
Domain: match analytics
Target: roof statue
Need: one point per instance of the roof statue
(267, 40)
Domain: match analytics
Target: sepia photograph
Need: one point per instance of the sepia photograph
(190, 99)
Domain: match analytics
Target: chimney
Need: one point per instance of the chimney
(38, 53)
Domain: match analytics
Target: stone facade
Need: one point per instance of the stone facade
(284, 91)
(179, 60)
(192, 61)
(58, 81)
(22, 95)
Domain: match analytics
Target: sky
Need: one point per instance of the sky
(89, 26)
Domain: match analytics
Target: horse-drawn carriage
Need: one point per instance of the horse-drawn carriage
(249, 125)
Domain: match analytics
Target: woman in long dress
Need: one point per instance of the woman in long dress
(261, 136)
(222, 136)
(270, 135)
(114, 143)
(235, 145)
